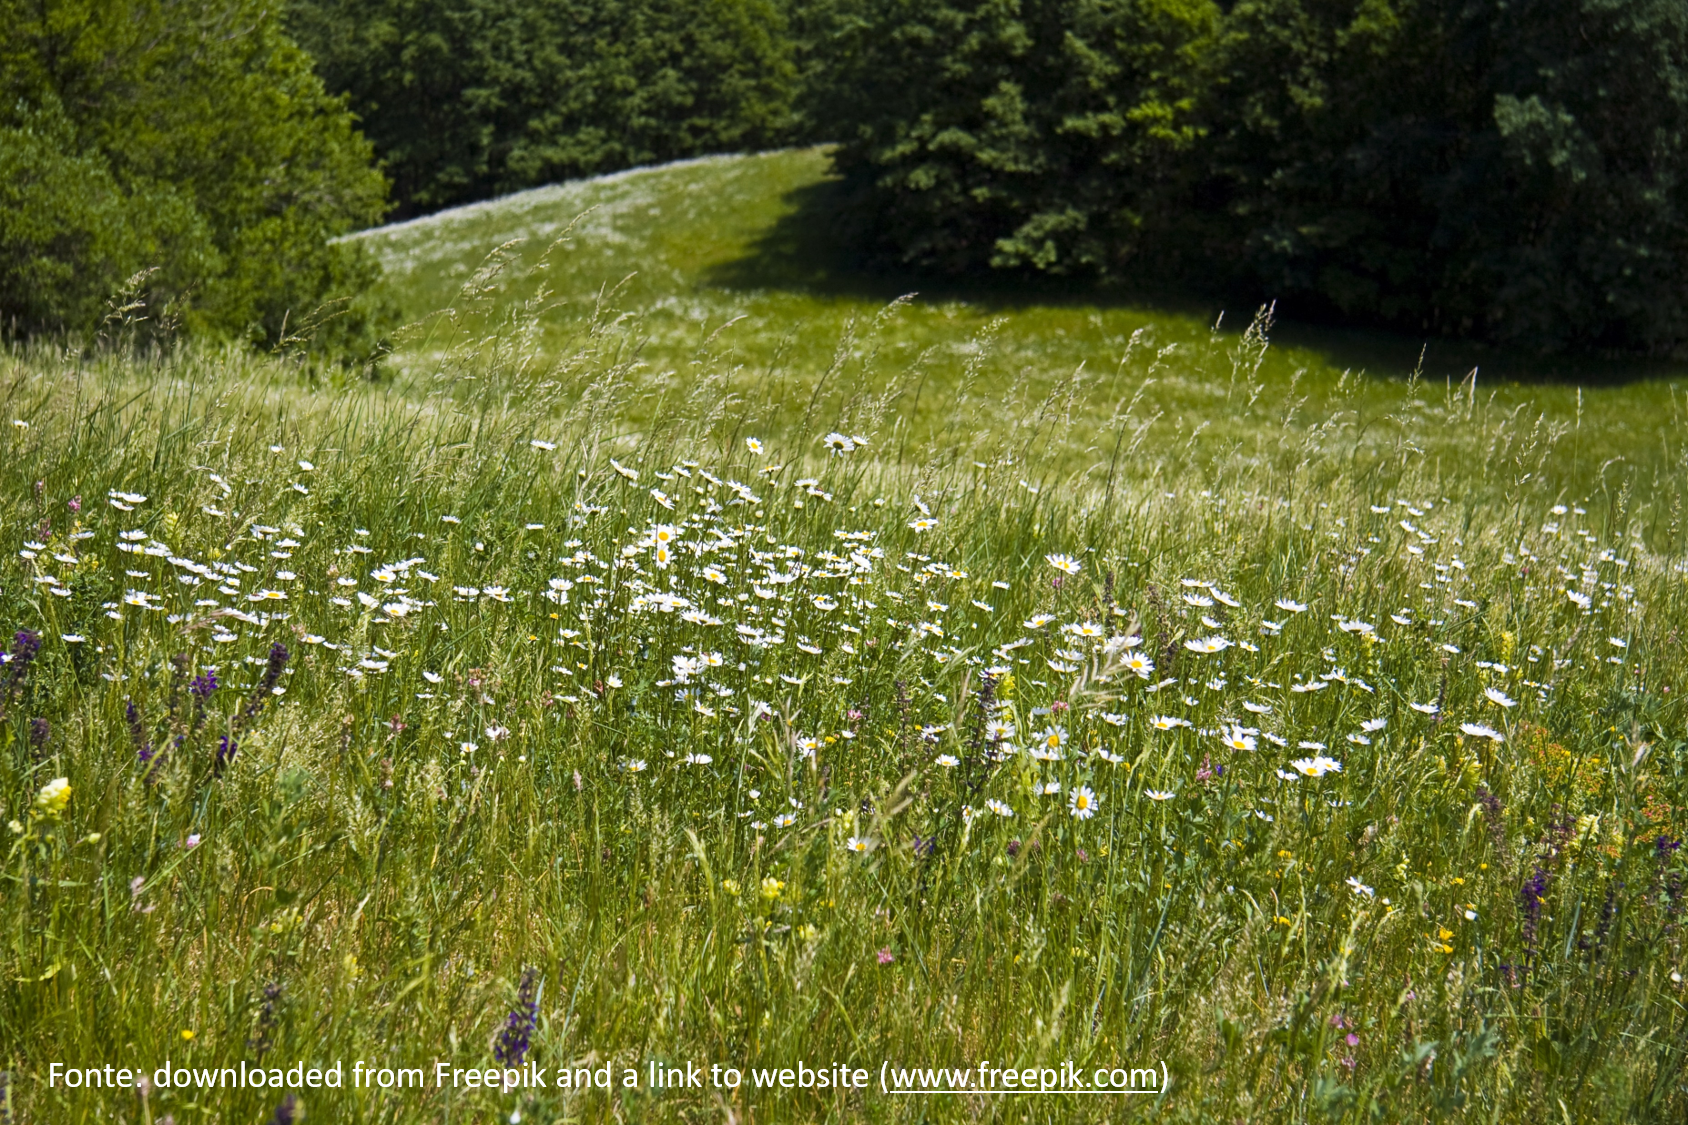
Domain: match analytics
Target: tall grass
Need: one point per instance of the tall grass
(494, 761)
(727, 265)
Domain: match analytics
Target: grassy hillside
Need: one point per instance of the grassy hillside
(539, 706)
(726, 263)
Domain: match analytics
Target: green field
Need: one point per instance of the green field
(723, 266)
(604, 686)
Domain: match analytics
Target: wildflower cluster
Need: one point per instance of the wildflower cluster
(723, 728)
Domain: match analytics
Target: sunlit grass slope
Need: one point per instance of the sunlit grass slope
(729, 264)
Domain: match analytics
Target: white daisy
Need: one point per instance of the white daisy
(1499, 698)
(1316, 766)
(1082, 802)
(1238, 739)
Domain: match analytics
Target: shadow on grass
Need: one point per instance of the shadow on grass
(808, 250)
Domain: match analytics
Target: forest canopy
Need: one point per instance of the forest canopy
(470, 98)
(1512, 172)
(1509, 171)
(193, 140)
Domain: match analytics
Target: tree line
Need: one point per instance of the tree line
(1509, 170)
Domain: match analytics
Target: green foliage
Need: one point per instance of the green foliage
(1512, 171)
(69, 233)
(469, 99)
(993, 132)
(188, 139)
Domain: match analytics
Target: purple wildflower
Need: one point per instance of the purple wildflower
(229, 744)
(263, 1034)
(201, 688)
(513, 1041)
(266, 684)
(1559, 830)
(138, 735)
(1608, 911)
(226, 750)
(25, 646)
(287, 1112)
(40, 732)
(1531, 899)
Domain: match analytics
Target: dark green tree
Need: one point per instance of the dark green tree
(470, 98)
(1512, 170)
(1009, 133)
(190, 138)
(1509, 170)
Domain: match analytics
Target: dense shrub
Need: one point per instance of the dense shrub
(1009, 133)
(1510, 171)
(69, 232)
(1513, 171)
(184, 137)
(469, 98)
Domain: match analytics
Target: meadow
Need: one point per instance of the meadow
(859, 683)
(731, 267)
